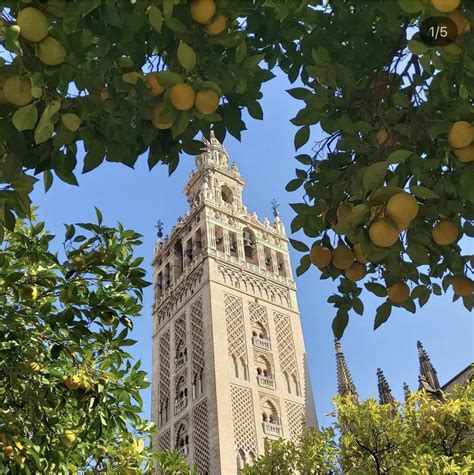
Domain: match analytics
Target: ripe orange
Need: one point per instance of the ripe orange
(17, 90)
(51, 51)
(182, 96)
(460, 135)
(320, 256)
(445, 6)
(462, 286)
(402, 208)
(152, 82)
(207, 101)
(156, 120)
(445, 233)
(342, 257)
(460, 20)
(203, 10)
(382, 233)
(343, 211)
(34, 25)
(217, 26)
(465, 154)
(398, 292)
(384, 139)
(355, 272)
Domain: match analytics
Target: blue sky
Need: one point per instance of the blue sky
(138, 198)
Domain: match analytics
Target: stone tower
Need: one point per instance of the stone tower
(229, 365)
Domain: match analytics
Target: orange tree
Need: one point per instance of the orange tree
(420, 436)
(388, 192)
(69, 391)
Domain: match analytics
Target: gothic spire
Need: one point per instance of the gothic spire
(406, 391)
(385, 393)
(427, 372)
(345, 385)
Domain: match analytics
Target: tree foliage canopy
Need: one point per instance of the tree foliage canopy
(69, 392)
(420, 436)
(112, 81)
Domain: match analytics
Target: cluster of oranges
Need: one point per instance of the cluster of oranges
(393, 218)
(204, 12)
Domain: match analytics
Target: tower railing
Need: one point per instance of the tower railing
(263, 343)
(270, 428)
(180, 404)
(266, 381)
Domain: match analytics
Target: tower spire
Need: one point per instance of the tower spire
(385, 393)
(406, 391)
(345, 385)
(428, 377)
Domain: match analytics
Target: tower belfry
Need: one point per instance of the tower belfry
(229, 365)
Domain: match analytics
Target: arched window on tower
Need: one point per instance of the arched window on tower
(250, 246)
(234, 252)
(296, 384)
(241, 460)
(159, 285)
(287, 381)
(260, 337)
(167, 276)
(264, 372)
(219, 233)
(281, 264)
(268, 259)
(182, 440)
(270, 418)
(198, 244)
(189, 251)
(181, 354)
(178, 258)
(234, 366)
(181, 400)
(227, 195)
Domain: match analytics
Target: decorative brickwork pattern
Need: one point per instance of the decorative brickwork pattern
(235, 326)
(296, 419)
(286, 347)
(197, 338)
(201, 438)
(164, 378)
(243, 419)
(180, 330)
(258, 313)
(164, 440)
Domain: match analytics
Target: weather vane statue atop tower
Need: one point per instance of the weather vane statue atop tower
(275, 206)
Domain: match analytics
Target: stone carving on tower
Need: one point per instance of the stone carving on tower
(229, 363)
(385, 393)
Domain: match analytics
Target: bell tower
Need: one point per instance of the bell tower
(229, 363)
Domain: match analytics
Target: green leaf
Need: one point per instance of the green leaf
(255, 110)
(339, 323)
(423, 192)
(241, 52)
(305, 263)
(186, 56)
(377, 289)
(12, 42)
(374, 176)
(94, 157)
(48, 180)
(25, 118)
(71, 121)
(301, 137)
(299, 246)
(99, 215)
(155, 17)
(417, 47)
(293, 185)
(383, 312)
(45, 127)
(399, 156)
(168, 78)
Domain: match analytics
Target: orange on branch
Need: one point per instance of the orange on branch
(398, 292)
(152, 82)
(207, 101)
(17, 90)
(34, 25)
(156, 117)
(203, 10)
(356, 272)
(445, 233)
(402, 208)
(461, 134)
(217, 26)
(445, 6)
(51, 52)
(182, 96)
(342, 257)
(320, 256)
(382, 233)
(343, 211)
(466, 154)
(462, 24)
